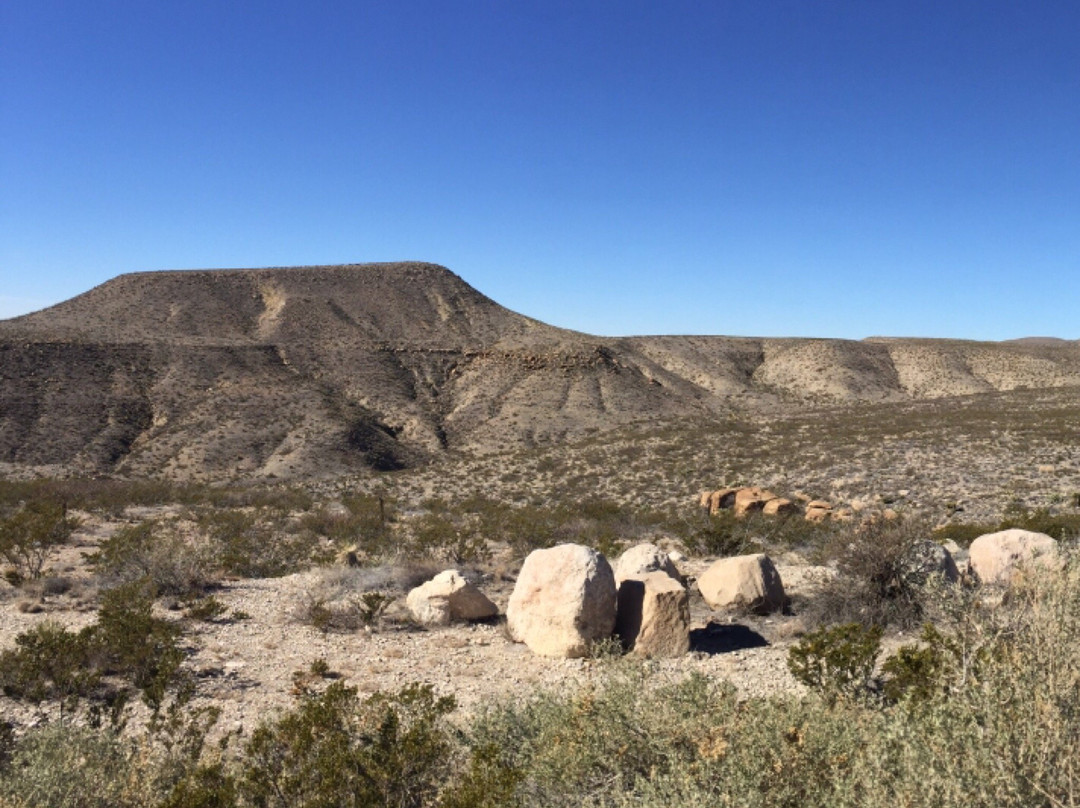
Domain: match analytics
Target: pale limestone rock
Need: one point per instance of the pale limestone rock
(654, 615)
(751, 582)
(644, 558)
(564, 600)
(995, 557)
(448, 597)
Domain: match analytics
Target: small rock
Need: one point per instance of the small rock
(448, 597)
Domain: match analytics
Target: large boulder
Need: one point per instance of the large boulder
(993, 558)
(925, 559)
(448, 597)
(644, 558)
(780, 506)
(654, 615)
(721, 500)
(750, 582)
(748, 500)
(564, 601)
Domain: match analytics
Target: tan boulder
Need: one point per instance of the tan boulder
(995, 557)
(654, 615)
(819, 503)
(751, 499)
(721, 500)
(703, 500)
(564, 601)
(780, 506)
(448, 597)
(818, 514)
(644, 558)
(750, 581)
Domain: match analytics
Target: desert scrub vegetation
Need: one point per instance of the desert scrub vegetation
(113, 496)
(1053, 521)
(884, 572)
(982, 711)
(29, 534)
(126, 651)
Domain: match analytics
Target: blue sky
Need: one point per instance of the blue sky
(751, 167)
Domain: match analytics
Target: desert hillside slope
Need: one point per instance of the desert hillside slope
(311, 371)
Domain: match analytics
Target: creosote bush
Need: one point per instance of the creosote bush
(126, 650)
(28, 535)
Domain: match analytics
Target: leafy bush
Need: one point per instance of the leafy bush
(49, 663)
(31, 533)
(837, 661)
(154, 551)
(252, 544)
(126, 649)
(336, 749)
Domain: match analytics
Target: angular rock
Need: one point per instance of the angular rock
(751, 499)
(924, 559)
(780, 506)
(995, 557)
(721, 500)
(564, 601)
(750, 582)
(448, 597)
(644, 558)
(654, 615)
(818, 514)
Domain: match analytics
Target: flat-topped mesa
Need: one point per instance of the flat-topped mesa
(314, 371)
(405, 303)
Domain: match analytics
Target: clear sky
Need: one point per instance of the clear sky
(751, 167)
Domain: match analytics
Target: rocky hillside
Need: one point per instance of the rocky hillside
(310, 371)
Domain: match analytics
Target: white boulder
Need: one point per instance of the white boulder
(750, 582)
(448, 597)
(993, 558)
(642, 559)
(564, 601)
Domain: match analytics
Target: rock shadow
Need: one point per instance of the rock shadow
(723, 638)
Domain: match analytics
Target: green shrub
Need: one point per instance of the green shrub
(253, 545)
(336, 749)
(127, 648)
(154, 551)
(207, 609)
(31, 533)
(49, 663)
(837, 661)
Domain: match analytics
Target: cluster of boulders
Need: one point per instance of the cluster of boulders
(568, 598)
(752, 499)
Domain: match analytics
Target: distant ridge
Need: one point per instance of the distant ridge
(308, 371)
